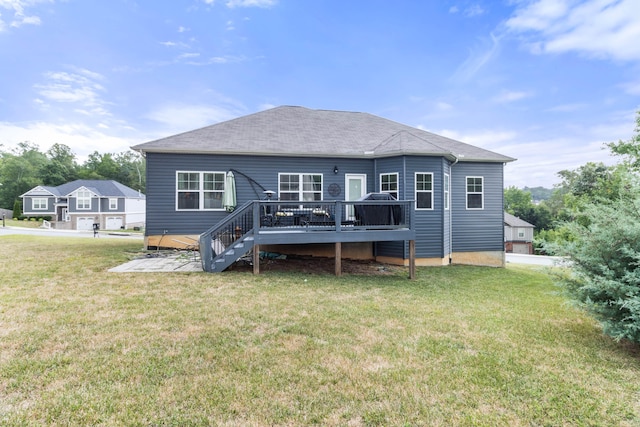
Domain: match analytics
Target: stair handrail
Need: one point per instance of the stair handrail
(226, 225)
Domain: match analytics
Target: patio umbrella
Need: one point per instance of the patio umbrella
(229, 196)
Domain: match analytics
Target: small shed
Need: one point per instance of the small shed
(518, 235)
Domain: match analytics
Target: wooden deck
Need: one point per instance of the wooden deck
(269, 223)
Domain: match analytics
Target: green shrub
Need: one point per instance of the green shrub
(604, 277)
(17, 209)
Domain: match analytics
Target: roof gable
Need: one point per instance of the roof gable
(41, 191)
(514, 221)
(299, 131)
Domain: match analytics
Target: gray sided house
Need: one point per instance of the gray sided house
(80, 204)
(309, 168)
(518, 235)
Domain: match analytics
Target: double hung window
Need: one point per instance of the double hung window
(199, 190)
(447, 191)
(83, 200)
(304, 187)
(424, 190)
(389, 184)
(39, 203)
(475, 192)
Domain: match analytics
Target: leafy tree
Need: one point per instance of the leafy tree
(61, 167)
(99, 166)
(519, 203)
(581, 186)
(629, 150)
(131, 170)
(539, 193)
(20, 172)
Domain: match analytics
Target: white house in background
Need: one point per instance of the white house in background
(518, 235)
(80, 204)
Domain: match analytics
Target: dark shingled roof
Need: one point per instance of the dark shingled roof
(103, 188)
(299, 131)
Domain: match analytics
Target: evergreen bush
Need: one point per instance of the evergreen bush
(604, 277)
(17, 209)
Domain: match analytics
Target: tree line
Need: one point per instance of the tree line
(26, 167)
(592, 218)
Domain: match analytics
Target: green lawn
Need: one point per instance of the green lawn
(457, 346)
(10, 222)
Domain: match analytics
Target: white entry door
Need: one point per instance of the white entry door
(355, 187)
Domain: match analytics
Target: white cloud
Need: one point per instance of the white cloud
(188, 55)
(511, 96)
(540, 157)
(178, 118)
(567, 108)
(20, 17)
(251, 3)
(596, 28)
(80, 138)
(477, 59)
(469, 11)
(80, 87)
(632, 88)
(443, 106)
(473, 10)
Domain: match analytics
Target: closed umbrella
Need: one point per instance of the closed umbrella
(229, 196)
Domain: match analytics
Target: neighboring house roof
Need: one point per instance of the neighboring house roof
(299, 131)
(102, 188)
(41, 190)
(514, 221)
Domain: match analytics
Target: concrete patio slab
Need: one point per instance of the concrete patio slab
(161, 263)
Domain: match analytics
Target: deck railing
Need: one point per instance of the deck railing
(334, 215)
(263, 221)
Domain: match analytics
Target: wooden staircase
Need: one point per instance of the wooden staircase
(228, 241)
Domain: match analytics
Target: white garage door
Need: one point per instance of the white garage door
(85, 223)
(114, 222)
(519, 248)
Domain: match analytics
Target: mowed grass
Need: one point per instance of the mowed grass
(457, 346)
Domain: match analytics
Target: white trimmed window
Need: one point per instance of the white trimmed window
(389, 183)
(447, 191)
(83, 200)
(424, 190)
(521, 233)
(199, 190)
(475, 192)
(113, 204)
(39, 203)
(300, 186)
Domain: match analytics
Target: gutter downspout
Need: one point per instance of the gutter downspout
(451, 207)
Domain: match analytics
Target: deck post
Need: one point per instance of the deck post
(256, 259)
(412, 259)
(338, 259)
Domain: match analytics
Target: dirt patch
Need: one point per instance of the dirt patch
(320, 265)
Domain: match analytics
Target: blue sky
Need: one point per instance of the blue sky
(545, 81)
